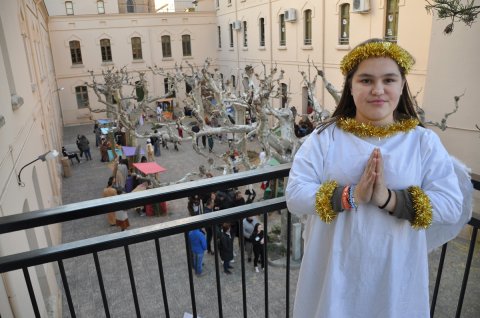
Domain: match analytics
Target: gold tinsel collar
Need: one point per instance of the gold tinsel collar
(377, 49)
(367, 130)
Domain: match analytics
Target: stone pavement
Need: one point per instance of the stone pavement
(87, 182)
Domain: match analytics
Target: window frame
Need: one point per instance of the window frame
(166, 46)
(81, 95)
(106, 50)
(391, 19)
(282, 30)
(307, 27)
(75, 52)
(231, 34)
(130, 4)
(69, 8)
(344, 28)
(245, 34)
(186, 45)
(137, 52)
(261, 26)
(100, 7)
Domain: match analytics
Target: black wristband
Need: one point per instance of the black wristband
(388, 200)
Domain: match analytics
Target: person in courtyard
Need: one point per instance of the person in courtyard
(150, 151)
(121, 216)
(108, 192)
(226, 248)
(248, 227)
(104, 146)
(207, 208)
(98, 134)
(370, 180)
(258, 241)
(70, 155)
(84, 146)
(198, 245)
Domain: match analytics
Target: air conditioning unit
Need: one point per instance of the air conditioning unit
(361, 6)
(237, 24)
(290, 15)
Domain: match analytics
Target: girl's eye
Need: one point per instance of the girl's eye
(390, 80)
(365, 81)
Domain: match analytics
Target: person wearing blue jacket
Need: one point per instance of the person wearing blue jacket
(198, 245)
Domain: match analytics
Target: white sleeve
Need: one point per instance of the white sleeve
(306, 174)
(439, 180)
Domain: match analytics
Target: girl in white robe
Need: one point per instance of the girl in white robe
(370, 182)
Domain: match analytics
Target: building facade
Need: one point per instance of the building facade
(30, 124)
(48, 48)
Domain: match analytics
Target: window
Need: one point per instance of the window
(82, 96)
(262, 32)
(234, 84)
(139, 91)
(391, 23)
(167, 85)
(130, 6)
(307, 40)
(283, 37)
(344, 23)
(186, 45)
(106, 50)
(69, 7)
(166, 46)
(245, 39)
(219, 29)
(188, 87)
(75, 52)
(100, 7)
(284, 94)
(231, 34)
(137, 48)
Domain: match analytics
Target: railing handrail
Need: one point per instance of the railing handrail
(134, 236)
(93, 207)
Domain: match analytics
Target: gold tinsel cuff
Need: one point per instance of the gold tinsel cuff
(376, 49)
(421, 207)
(323, 205)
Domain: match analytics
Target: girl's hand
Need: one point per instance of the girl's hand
(380, 191)
(364, 188)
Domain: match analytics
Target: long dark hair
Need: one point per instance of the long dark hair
(346, 106)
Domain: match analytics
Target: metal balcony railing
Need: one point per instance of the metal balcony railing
(92, 246)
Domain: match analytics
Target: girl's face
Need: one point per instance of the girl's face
(376, 89)
(260, 227)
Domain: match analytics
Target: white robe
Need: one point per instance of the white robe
(367, 263)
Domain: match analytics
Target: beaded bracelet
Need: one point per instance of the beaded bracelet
(345, 203)
(351, 197)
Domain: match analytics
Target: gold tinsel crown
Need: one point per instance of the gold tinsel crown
(377, 49)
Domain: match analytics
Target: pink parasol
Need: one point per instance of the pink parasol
(149, 167)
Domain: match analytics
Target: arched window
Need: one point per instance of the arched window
(130, 6)
(137, 48)
(262, 31)
(186, 45)
(391, 21)
(344, 24)
(75, 52)
(106, 50)
(307, 15)
(282, 31)
(81, 94)
(100, 7)
(166, 46)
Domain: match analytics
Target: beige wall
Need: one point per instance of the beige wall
(30, 130)
(453, 70)
(120, 29)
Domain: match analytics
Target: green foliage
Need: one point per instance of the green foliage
(456, 10)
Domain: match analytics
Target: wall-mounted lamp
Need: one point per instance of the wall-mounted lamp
(49, 155)
(59, 89)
